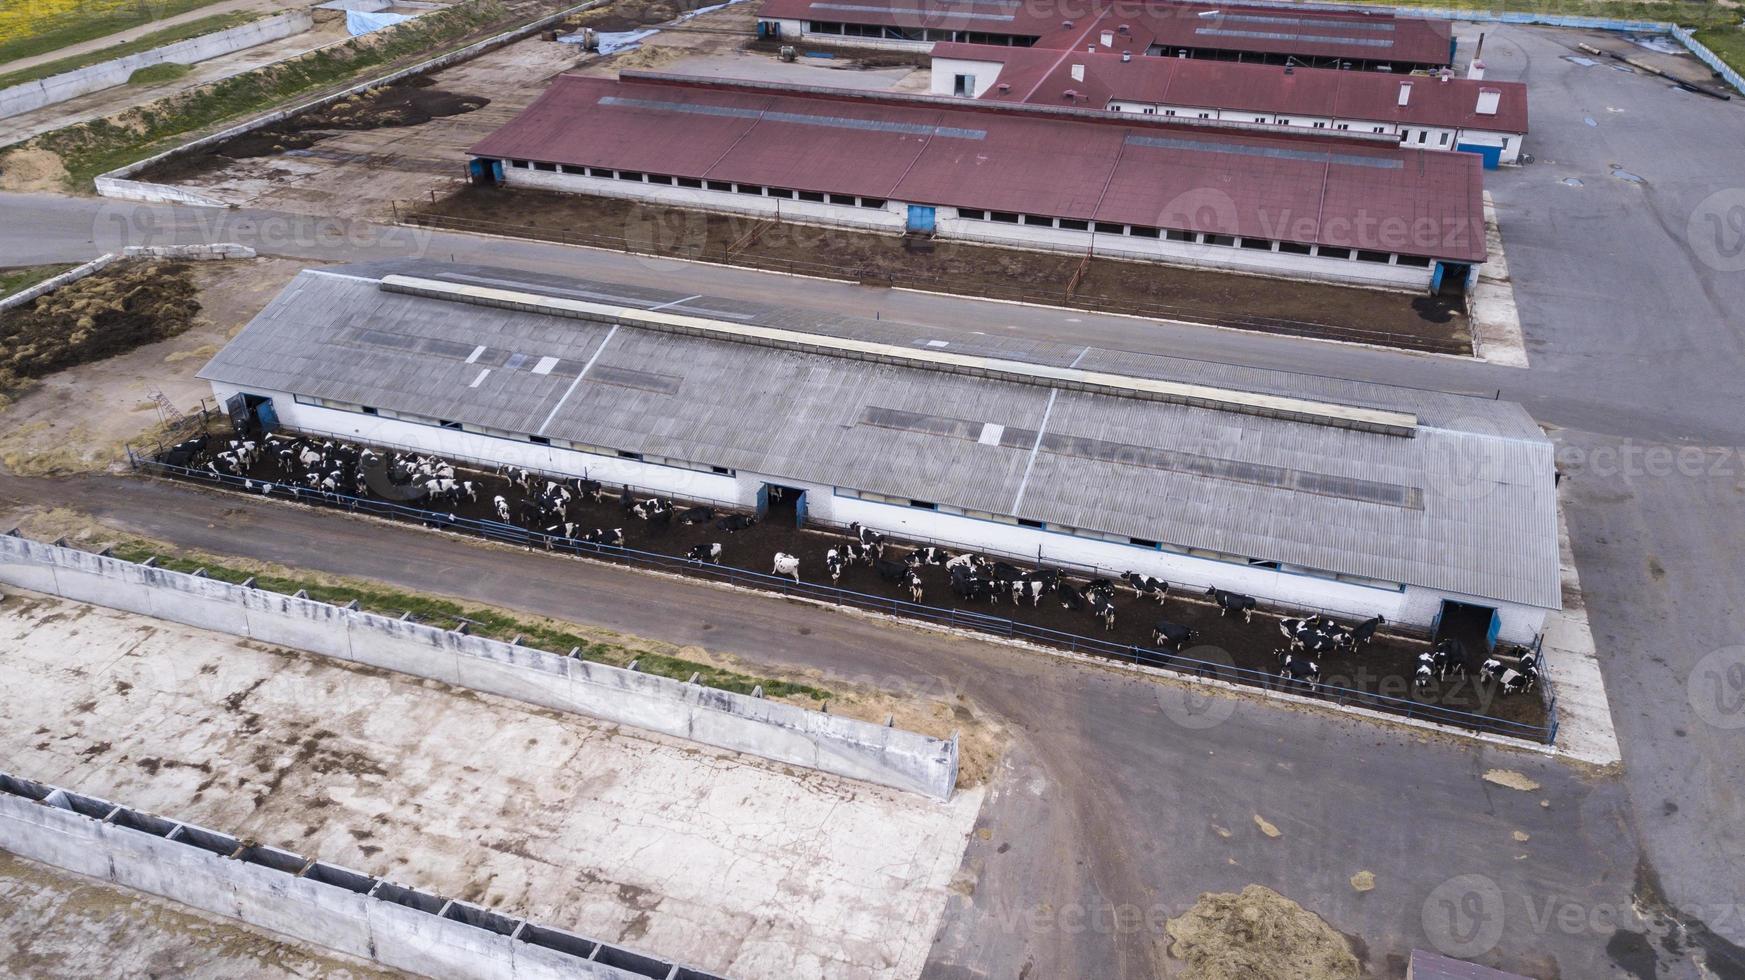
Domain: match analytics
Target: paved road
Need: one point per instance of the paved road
(1120, 794)
(1630, 283)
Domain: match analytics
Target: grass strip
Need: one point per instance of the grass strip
(481, 621)
(24, 277)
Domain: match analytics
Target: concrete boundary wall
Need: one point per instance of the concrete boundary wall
(29, 96)
(782, 732)
(196, 253)
(308, 900)
(115, 184)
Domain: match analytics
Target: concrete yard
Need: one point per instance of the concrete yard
(727, 863)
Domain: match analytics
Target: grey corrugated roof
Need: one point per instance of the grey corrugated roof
(1466, 506)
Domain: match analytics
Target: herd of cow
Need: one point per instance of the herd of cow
(548, 506)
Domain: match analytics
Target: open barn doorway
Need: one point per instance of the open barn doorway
(780, 504)
(1475, 627)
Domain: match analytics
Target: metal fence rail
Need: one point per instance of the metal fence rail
(964, 619)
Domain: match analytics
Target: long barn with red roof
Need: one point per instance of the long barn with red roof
(1341, 207)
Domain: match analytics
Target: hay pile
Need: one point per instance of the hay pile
(1259, 933)
(114, 311)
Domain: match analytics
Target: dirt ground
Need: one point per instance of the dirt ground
(362, 164)
(731, 863)
(1227, 299)
(77, 420)
(1386, 666)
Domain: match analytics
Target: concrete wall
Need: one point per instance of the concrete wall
(94, 78)
(104, 261)
(814, 739)
(286, 893)
(1294, 589)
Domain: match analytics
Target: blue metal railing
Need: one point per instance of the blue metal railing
(964, 619)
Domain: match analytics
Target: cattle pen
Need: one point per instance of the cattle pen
(1378, 677)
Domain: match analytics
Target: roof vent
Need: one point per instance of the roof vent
(1067, 24)
(1078, 73)
(1004, 87)
(1475, 71)
(1487, 101)
(1108, 39)
(1289, 70)
(1070, 95)
(1126, 56)
(1090, 49)
(1124, 30)
(1405, 93)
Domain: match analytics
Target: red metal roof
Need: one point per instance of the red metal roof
(1039, 77)
(1354, 34)
(955, 153)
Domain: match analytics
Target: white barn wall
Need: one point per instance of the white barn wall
(946, 70)
(1432, 134)
(892, 218)
(1412, 606)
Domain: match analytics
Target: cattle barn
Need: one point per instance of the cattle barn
(1361, 39)
(1308, 492)
(1345, 207)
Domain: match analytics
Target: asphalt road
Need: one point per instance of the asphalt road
(1630, 275)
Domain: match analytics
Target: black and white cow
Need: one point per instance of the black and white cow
(1298, 669)
(708, 552)
(1172, 635)
(869, 537)
(890, 571)
(658, 510)
(1070, 597)
(970, 586)
(696, 515)
(1103, 607)
(1145, 585)
(787, 565)
(863, 553)
(968, 562)
(928, 556)
(1363, 632)
(1514, 674)
(834, 563)
(501, 503)
(1232, 602)
(613, 536)
(1028, 589)
(913, 581)
(736, 522)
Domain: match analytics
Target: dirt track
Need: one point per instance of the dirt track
(1385, 667)
(1323, 310)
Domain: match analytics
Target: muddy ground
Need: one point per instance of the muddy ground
(1226, 299)
(412, 102)
(1386, 666)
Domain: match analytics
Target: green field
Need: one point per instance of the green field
(32, 27)
(1727, 42)
(91, 148)
(156, 39)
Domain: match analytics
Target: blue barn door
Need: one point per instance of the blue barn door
(920, 218)
(1496, 627)
(1492, 155)
(267, 416)
(762, 499)
(800, 509)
